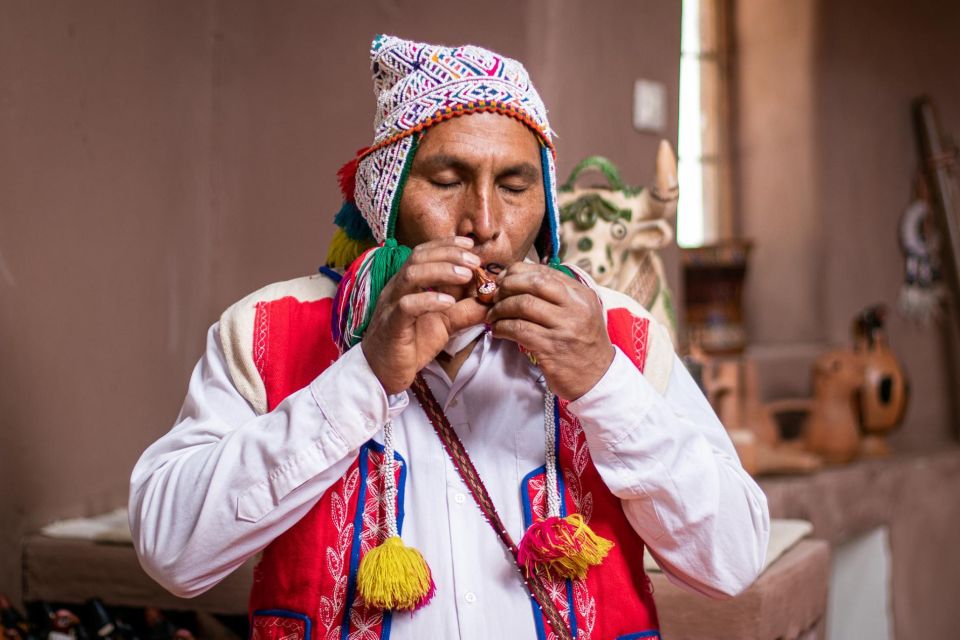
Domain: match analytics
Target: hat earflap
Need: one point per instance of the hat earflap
(559, 547)
(369, 273)
(392, 575)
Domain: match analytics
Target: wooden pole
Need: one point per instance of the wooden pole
(937, 159)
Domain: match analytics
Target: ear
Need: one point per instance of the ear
(653, 234)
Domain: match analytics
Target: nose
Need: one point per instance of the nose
(482, 219)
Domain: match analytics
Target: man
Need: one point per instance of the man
(393, 443)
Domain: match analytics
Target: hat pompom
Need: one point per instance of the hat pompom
(562, 547)
(351, 221)
(344, 249)
(347, 176)
(351, 239)
(394, 576)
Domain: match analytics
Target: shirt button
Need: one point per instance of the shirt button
(459, 498)
(455, 402)
(470, 597)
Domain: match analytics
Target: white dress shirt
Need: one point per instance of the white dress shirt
(224, 482)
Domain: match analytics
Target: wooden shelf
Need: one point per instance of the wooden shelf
(60, 570)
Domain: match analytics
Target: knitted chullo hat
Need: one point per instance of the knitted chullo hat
(418, 85)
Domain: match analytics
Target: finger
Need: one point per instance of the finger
(413, 278)
(526, 307)
(466, 313)
(444, 253)
(541, 282)
(531, 336)
(416, 304)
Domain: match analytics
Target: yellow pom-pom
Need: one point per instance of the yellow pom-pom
(343, 250)
(394, 576)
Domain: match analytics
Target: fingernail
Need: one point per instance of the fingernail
(471, 259)
(446, 298)
(463, 241)
(461, 271)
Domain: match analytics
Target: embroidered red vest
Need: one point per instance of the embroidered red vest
(277, 341)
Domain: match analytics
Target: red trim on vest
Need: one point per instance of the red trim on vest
(631, 333)
(292, 345)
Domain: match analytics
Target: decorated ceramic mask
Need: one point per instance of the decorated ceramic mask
(613, 231)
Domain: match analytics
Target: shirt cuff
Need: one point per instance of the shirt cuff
(353, 400)
(613, 408)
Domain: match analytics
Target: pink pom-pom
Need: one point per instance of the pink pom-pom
(425, 600)
(561, 548)
(546, 541)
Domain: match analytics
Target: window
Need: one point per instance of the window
(703, 212)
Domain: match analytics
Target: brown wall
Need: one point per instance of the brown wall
(826, 156)
(160, 159)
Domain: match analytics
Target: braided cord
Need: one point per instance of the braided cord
(550, 438)
(389, 481)
(461, 461)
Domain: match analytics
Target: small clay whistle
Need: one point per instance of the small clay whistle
(486, 286)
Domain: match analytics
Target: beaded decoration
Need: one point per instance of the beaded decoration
(556, 546)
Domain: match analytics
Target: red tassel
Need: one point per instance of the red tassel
(425, 600)
(561, 547)
(347, 176)
(545, 542)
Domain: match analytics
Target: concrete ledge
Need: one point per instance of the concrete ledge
(788, 601)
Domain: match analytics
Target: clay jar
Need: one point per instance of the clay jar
(884, 396)
(832, 429)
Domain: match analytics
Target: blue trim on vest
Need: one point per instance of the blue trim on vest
(331, 273)
(364, 459)
(284, 613)
(528, 520)
(641, 634)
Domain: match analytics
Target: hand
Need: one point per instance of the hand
(411, 324)
(559, 320)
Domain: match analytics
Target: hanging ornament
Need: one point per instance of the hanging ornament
(922, 292)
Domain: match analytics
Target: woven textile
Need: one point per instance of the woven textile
(418, 85)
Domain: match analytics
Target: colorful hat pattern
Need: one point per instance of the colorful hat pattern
(419, 85)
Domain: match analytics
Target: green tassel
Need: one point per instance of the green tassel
(385, 262)
(555, 264)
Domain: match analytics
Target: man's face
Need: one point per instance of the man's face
(477, 176)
